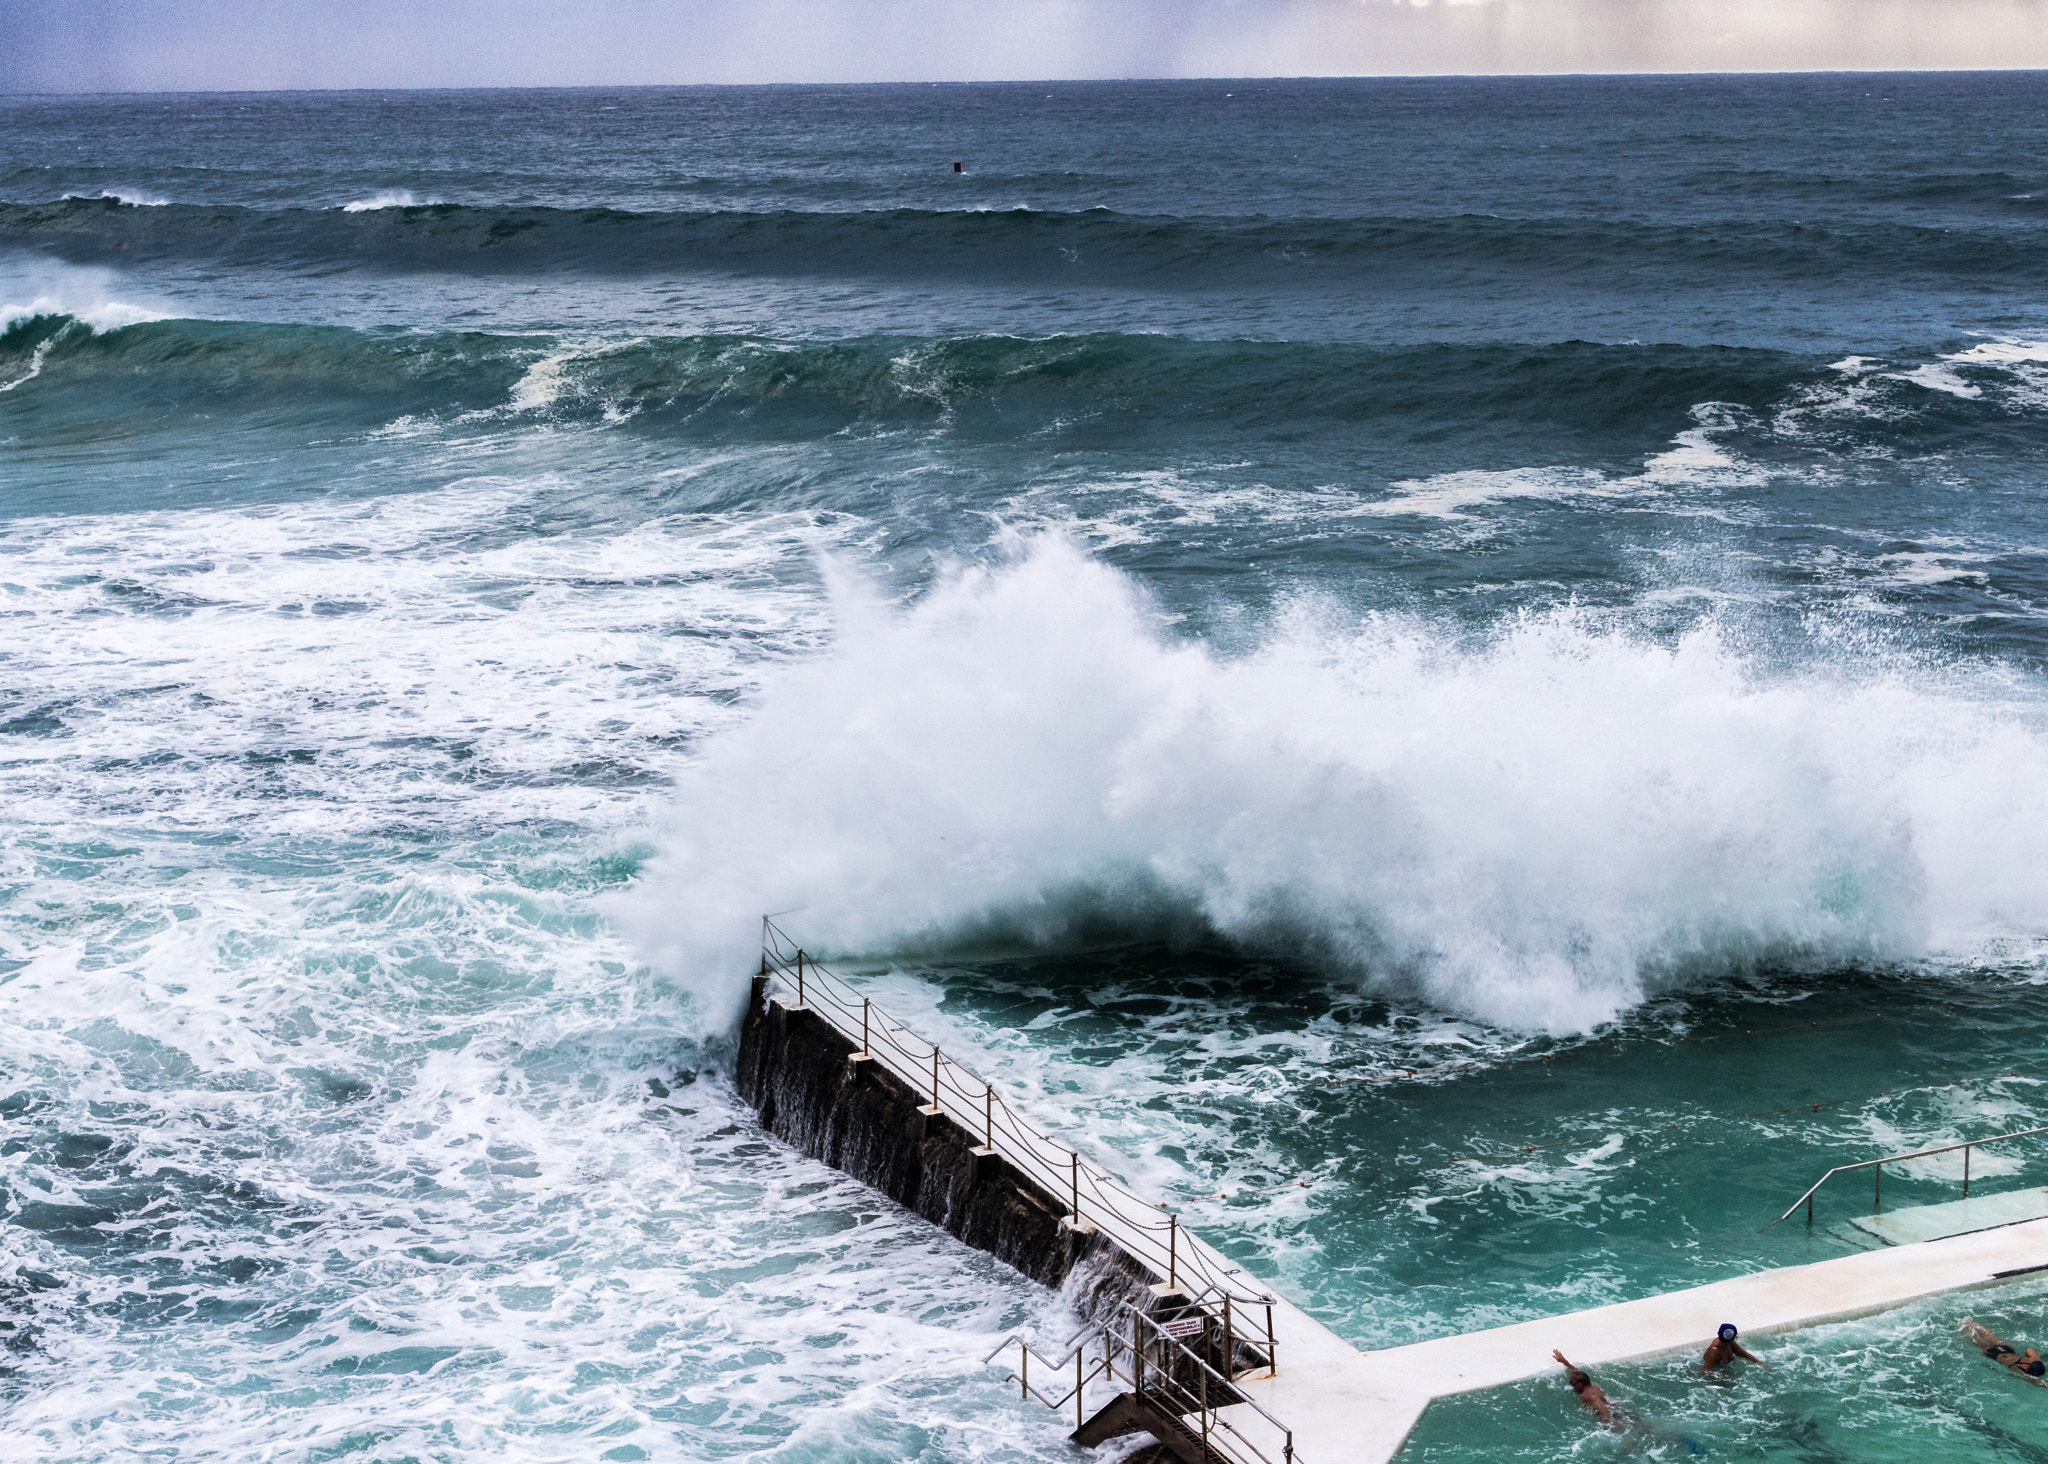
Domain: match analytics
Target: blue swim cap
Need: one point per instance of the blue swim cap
(2035, 1368)
(1727, 1331)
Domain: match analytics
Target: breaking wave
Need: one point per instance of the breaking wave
(386, 198)
(991, 385)
(1539, 827)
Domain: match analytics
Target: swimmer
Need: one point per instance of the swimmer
(2028, 1364)
(1724, 1348)
(1614, 1415)
(1589, 1394)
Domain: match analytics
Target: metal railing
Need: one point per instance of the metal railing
(1091, 1195)
(1877, 1196)
(1150, 1358)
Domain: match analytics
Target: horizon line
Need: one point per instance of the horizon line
(1038, 81)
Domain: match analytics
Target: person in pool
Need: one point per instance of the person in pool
(2028, 1362)
(1590, 1394)
(1614, 1415)
(1724, 1348)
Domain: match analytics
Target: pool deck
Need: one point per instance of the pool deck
(1349, 1407)
(1957, 1217)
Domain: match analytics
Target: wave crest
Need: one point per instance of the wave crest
(1539, 828)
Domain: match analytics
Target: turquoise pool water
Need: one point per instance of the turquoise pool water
(1511, 1178)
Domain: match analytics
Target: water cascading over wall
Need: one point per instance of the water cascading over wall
(799, 1073)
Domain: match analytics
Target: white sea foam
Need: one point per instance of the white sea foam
(86, 295)
(134, 198)
(1933, 567)
(1936, 376)
(1120, 509)
(302, 829)
(386, 198)
(1449, 495)
(1539, 828)
(35, 365)
(2008, 363)
(2004, 351)
(1694, 461)
(369, 627)
(545, 381)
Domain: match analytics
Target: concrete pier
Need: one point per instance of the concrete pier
(964, 1161)
(815, 1091)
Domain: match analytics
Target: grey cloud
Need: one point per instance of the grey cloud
(85, 45)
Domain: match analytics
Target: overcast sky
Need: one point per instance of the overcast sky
(86, 45)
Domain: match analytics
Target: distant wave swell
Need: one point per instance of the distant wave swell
(1096, 246)
(983, 384)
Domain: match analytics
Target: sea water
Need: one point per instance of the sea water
(1448, 676)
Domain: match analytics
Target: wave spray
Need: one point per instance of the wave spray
(1538, 827)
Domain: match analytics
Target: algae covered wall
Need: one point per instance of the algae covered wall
(794, 1069)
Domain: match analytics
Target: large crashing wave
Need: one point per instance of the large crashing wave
(1538, 828)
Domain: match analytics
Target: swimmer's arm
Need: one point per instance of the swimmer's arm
(1744, 1351)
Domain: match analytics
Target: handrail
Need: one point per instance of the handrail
(1878, 1164)
(1172, 1341)
(1176, 1398)
(1092, 1195)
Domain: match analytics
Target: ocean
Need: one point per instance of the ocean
(1448, 676)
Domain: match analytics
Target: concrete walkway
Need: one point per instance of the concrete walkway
(1345, 1406)
(1957, 1217)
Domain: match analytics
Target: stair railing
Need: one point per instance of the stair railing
(1877, 1193)
(1149, 1358)
(1085, 1370)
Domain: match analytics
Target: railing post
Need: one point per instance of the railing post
(1202, 1381)
(1877, 1195)
(1288, 1455)
(1229, 1344)
(1074, 1178)
(988, 1115)
(1024, 1371)
(1966, 1169)
(799, 976)
(1273, 1354)
(1079, 1419)
(1172, 1250)
(864, 1025)
(935, 1079)
(1809, 1208)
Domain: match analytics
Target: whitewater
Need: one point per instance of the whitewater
(1332, 670)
